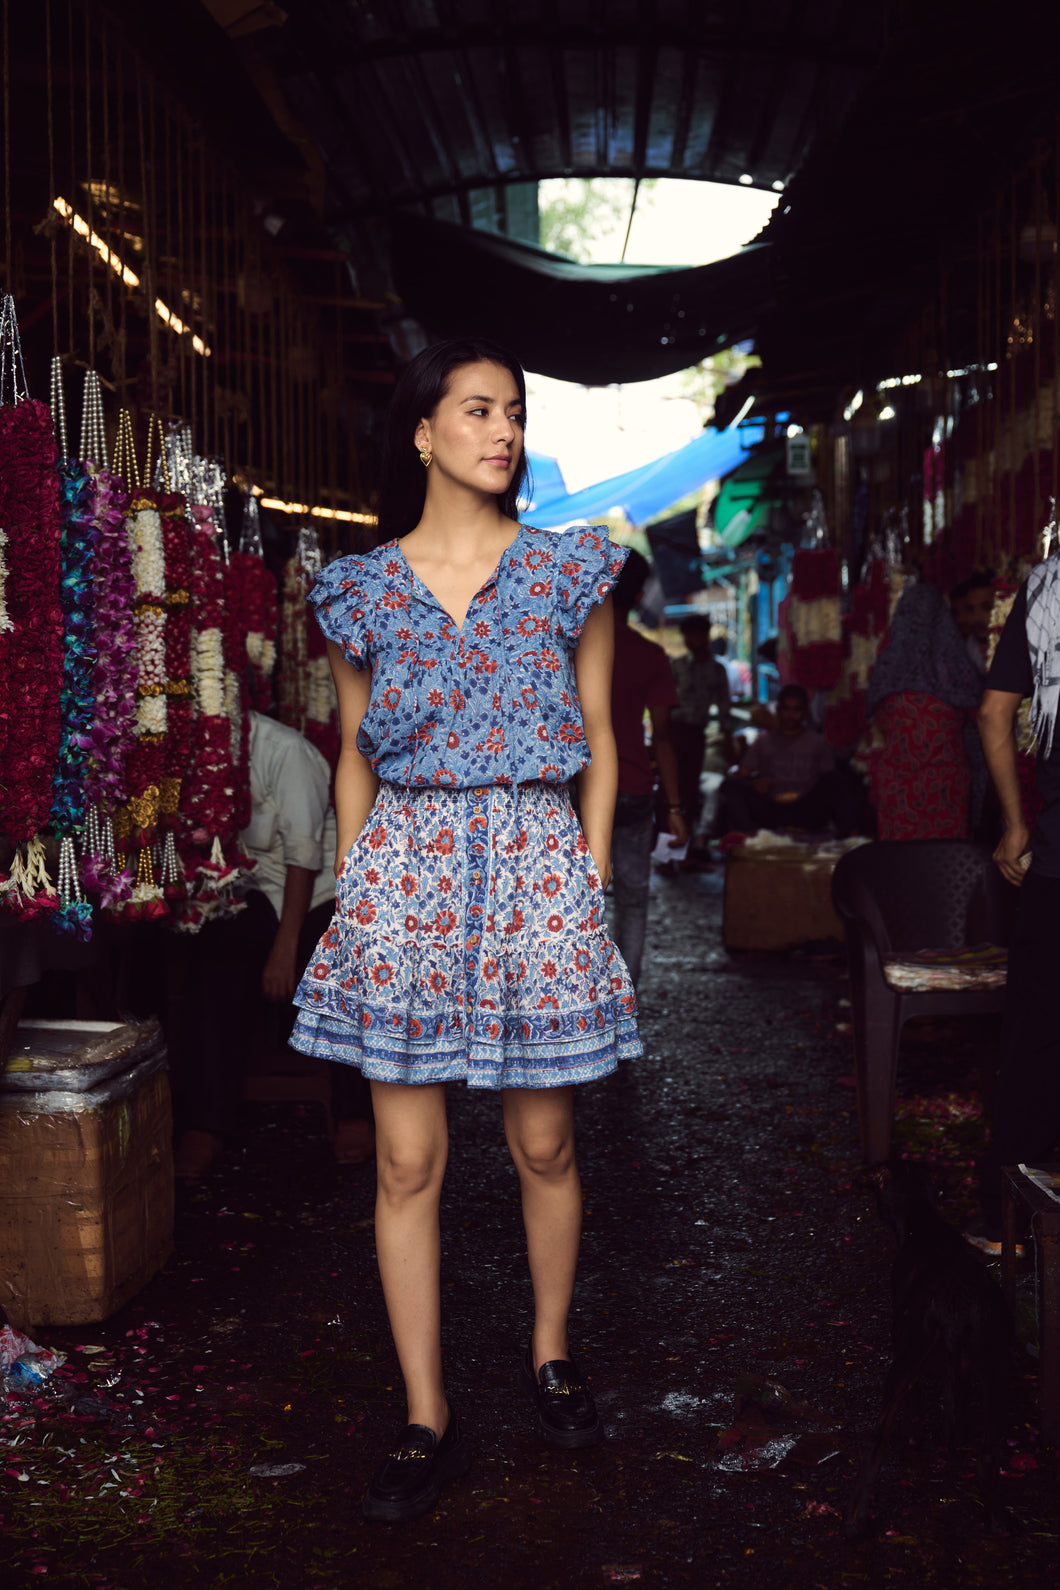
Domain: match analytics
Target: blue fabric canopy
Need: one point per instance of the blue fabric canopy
(641, 493)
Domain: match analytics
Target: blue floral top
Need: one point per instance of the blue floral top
(493, 702)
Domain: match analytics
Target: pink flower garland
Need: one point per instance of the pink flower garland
(31, 661)
(114, 673)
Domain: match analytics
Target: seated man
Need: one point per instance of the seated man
(787, 778)
(972, 604)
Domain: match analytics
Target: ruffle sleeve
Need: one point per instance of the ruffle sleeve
(340, 602)
(589, 565)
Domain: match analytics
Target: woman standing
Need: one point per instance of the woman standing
(929, 777)
(472, 659)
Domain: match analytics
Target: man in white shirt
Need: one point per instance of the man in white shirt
(291, 836)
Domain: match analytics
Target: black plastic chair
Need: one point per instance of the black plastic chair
(896, 897)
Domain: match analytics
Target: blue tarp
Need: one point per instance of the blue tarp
(642, 493)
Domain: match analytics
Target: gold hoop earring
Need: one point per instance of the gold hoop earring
(425, 456)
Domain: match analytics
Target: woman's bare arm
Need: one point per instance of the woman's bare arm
(356, 785)
(598, 784)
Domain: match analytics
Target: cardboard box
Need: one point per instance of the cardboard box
(86, 1170)
(775, 899)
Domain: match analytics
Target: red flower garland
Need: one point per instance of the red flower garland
(260, 620)
(179, 705)
(31, 660)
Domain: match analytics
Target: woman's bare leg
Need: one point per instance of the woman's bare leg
(539, 1126)
(412, 1145)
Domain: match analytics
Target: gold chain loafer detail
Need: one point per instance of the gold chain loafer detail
(409, 1480)
(566, 1413)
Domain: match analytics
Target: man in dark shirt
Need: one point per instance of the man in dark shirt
(641, 683)
(787, 778)
(1026, 1112)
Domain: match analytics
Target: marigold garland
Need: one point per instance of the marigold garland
(31, 660)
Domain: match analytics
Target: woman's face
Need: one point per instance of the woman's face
(476, 432)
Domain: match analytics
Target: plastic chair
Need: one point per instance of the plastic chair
(901, 896)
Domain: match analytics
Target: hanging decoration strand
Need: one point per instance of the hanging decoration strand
(93, 439)
(53, 247)
(57, 398)
(12, 369)
(7, 149)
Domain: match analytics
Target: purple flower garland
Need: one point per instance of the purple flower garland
(114, 675)
(77, 701)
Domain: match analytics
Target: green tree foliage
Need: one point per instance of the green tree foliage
(577, 212)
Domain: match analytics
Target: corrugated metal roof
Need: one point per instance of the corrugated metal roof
(412, 101)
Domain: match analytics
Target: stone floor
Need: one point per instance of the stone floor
(730, 1249)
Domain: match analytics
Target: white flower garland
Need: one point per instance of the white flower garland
(321, 700)
(149, 559)
(234, 712)
(5, 618)
(144, 529)
(208, 672)
(151, 687)
(815, 622)
(863, 649)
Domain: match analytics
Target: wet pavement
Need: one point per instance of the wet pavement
(730, 1250)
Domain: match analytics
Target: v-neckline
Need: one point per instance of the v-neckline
(422, 583)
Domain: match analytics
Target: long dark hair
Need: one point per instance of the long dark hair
(421, 387)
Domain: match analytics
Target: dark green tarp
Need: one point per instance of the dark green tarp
(594, 324)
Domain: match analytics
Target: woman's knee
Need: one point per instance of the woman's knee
(545, 1158)
(408, 1171)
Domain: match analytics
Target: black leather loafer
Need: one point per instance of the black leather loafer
(566, 1413)
(410, 1478)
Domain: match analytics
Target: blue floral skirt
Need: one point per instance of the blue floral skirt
(468, 944)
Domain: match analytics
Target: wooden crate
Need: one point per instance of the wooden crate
(775, 900)
(86, 1194)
